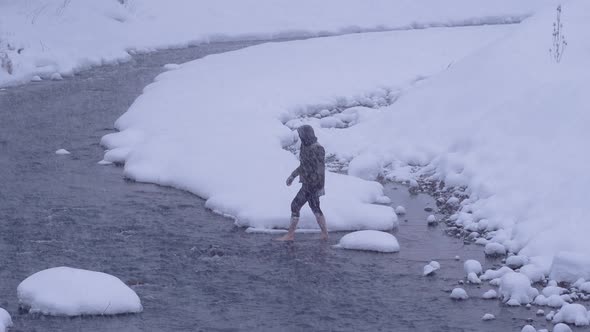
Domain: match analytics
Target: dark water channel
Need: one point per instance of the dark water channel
(194, 270)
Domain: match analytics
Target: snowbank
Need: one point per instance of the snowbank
(369, 240)
(509, 124)
(32, 32)
(207, 128)
(72, 292)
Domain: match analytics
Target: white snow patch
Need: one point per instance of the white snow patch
(369, 240)
(62, 152)
(459, 294)
(400, 210)
(5, 320)
(488, 317)
(72, 292)
(490, 294)
(430, 268)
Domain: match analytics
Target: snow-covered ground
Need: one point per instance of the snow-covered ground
(41, 38)
(216, 127)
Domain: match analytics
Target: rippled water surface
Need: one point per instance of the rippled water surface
(194, 270)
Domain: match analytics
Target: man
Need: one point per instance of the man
(311, 172)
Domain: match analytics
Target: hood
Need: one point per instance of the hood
(306, 135)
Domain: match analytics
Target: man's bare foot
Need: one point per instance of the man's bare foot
(287, 237)
(324, 237)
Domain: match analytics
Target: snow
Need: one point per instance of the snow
(573, 314)
(493, 274)
(431, 219)
(515, 289)
(166, 139)
(62, 152)
(553, 290)
(56, 77)
(472, 266)
(365, 166)
(369, 240)
(540, 312)
(495, 249)
(570, 266)
(430, 268)
(490, 294)
(171, 66)
(5, 320)
(36, 78)
(472, 278)
(561, 328)
(400, 210)
(585, 287)
(64, 291)
(517, 261)
(528, 328)
(459, 294)
(32, 31)
(488, 317)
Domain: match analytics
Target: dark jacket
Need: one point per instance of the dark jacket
(312, 167)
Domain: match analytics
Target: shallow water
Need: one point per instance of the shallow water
(194, 270)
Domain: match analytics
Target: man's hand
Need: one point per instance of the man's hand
(289, 180)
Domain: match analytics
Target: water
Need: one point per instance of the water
(194, 270)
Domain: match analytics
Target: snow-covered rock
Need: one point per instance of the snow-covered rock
(488, 317)
(540, 312)
(62, 152)
(431, 220)
(495, 249)
(572, 314)
(528, 328)
(585, 287)
(430, 268)
(561, 327)
(472, 278)
(5, 320)
(553, 290)
(515, 289)
(490, 294)
(517, 261)
(493, 274)
(400, 210)
(472, 266)
(36, 78)
(72, 292)
(56, 77)
(369, 240)
(459, 294)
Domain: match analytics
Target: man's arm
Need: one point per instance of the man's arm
(293, 175)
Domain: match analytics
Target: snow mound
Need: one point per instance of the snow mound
(488, 317)
(64, 291)
(569, 267)
(400, 210)
(431, 220)
(472, 266)
(56, 77)
(36, 78)
(365, 166)
(517, 261)
(528, 328)
(553, 290)
(459, 294)
(62, 152)
(491, 294)
(495, 249)
(515, 289)
(5, 320)
(572, 313)
(369, 240)
(430, 268)
(473, 278)
(561, 327)
(493, 274)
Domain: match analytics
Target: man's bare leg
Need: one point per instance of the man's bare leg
(322, 222)
(290, 236)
